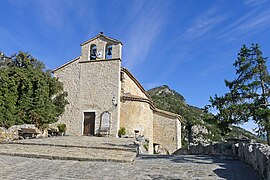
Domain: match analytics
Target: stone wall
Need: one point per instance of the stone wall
(101, 44)
(8, 135)
(137, 115)
(99, 84)
(166, 132)
(69, 75)
(92, 85)
(12, 133)
(208, 149)
(256, 155)
(128, 86)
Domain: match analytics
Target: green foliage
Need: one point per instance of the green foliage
(122, 131)
(242, 133)
(62, 127)
(248, 94)
(28, 92)
(146, 146)
(169, 100)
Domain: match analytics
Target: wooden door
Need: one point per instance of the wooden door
(89, 123)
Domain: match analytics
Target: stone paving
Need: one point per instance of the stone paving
(108, 158)
(81, 148)
(144, 167)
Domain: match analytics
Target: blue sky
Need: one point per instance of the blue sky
(188, 45)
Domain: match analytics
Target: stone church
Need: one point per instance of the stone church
(104, 97)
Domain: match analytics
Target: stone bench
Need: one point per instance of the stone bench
(27, 133)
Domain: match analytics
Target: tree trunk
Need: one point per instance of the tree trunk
(266, 103)
(268, 136)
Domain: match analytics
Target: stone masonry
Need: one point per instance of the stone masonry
(165, 132)
(97, 84)
(186, 167)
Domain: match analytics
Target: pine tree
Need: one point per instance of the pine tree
(249, 93)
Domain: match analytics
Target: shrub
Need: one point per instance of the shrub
(62, 127)
(122, 131)
(146, 147)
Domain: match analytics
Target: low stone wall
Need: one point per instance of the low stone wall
(208, 149)
(12, 133)
(256, 155)
(8, 134)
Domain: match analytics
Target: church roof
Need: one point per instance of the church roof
(101, 35)
(131, 97)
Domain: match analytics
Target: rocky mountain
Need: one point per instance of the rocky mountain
(199, 125)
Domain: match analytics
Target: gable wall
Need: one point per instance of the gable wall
(69, 75)
(128, 86)
(101, 46)
(136, 115)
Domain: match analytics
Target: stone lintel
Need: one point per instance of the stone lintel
(99, 60)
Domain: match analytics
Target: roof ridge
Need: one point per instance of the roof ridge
(138, 98)
(101, 35)
(66, 64)
(168, 113)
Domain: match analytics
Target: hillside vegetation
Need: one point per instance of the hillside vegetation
(199, 125)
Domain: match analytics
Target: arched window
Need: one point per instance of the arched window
(93, 52)
(108, 52)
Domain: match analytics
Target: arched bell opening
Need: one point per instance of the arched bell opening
(93, 52)
(108, 52)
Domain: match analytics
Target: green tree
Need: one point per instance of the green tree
(248, 94)
(28, 92)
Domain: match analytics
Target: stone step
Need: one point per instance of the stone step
(83, 148)
(67, 153)
(129, 148)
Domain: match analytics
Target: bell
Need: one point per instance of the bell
(93, 55)
(109, 52)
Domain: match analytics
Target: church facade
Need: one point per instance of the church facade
(104, 97)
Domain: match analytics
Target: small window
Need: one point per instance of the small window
(121, 76)
(93, 52)
(109, 52)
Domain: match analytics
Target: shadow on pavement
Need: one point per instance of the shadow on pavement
(227, 169)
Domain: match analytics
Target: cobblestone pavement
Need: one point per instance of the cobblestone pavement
(144, 167)
(73, 148)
